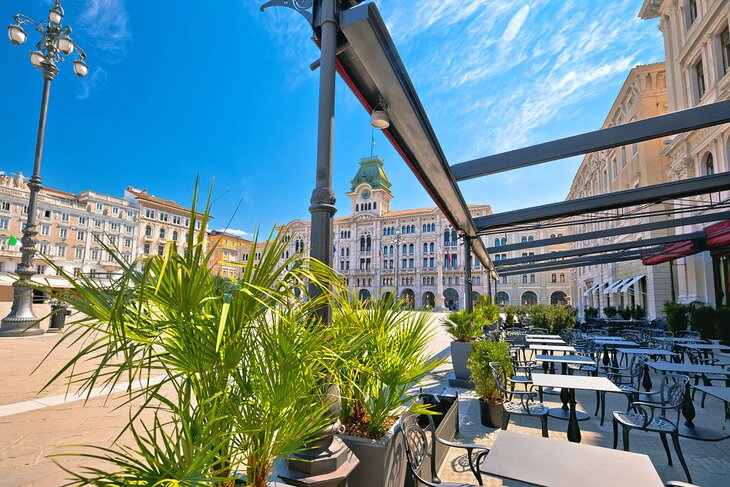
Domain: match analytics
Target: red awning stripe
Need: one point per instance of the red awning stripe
(670, 252)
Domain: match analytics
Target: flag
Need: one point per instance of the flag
(12, 240)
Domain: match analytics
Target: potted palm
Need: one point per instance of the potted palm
(610, 312)
(490, 401)
(237, 366)
(379, 381)
(464, 328)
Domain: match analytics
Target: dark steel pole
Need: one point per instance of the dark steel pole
(22, 320)
(671, 280)
(469, 301)
(397, 264)
(322, 202)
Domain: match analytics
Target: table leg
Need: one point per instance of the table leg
(689, 429)
(573, 426)
(614, 360)
(606, 357)
(646, 380)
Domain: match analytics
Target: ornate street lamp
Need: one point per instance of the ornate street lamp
(54, 44)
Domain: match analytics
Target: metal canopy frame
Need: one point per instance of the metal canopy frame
(370, 65)
(613, 232)
(608, 138)
(580, 262)
(599, 249)
(657, 193)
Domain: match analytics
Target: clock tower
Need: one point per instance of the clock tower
(370, 190)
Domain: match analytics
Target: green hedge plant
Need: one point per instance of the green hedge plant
(482, 353)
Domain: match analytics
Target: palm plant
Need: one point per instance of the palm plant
(464, 326)
(239, 365)
(379, 375)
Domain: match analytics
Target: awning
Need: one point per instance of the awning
(718, 235)
(626, 285)
(670, 252)
(612, 287)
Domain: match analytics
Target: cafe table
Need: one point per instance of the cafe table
(547, 462)
(688, 429)
(609, 348)
(563, 412)
(720, 392)
(571, 383)
(546, 341)
(537, 335)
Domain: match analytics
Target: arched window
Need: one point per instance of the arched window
(391, 250)
(411, 248)
(496, 242)
(425, 247)
(413, 229)
(357, 207)
(552, 235)
(532, 278)
(524, 239)
(553, 277)
(430, 247)
(162, 233)
(530, 238)
(453, 237)
(562, 277)
(424, 228)
(447, 237)
(529, 298)
(369, 243)
(375, 205)
(502, 298)
(362, 243)
(524, 278)
(174, 235)
(504, 240)
(148, 231)
(709, 165)
(404, 249)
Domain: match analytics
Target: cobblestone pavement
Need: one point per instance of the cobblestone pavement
(28, 437)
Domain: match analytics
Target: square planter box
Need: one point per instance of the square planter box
(383, 461)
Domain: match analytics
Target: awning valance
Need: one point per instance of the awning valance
(671, 252)
(718, 235)
(630, 282)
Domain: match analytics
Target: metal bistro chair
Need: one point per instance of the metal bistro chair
(697, 357)
(417, 448)
(526, 406)
(628, 379)
(640, 418)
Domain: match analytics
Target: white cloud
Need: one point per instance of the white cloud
(105, 22)
(238, 233)
(514, 26)
(92, 82)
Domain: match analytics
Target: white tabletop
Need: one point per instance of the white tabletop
(679, 340)
(555, 341)
(535, 335)
(646, 351)
(565, 359)
(687, 368)
(719, 392)
(616, 343)
(558, 463)
(580, 382)
(607, 338)
(552, 348)
(705, 346)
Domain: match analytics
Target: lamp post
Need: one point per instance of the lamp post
(55, 42)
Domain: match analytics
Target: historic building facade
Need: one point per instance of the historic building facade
(73, 230)
(230, 253)
(415, 254)
(697, 57)
(162, 222)
(643, 95)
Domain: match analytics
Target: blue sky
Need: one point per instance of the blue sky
(222, 90)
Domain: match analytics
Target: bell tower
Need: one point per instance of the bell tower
(370, 190)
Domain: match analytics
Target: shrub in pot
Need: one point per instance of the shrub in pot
(624, 313)
(722, 324)
(638, 312)
(464, 328)
(509, 315)
(490, 400)
(702, 319)
(240, 364)
(590, 313)
(610, 311)
(677, 316)
(378, 380)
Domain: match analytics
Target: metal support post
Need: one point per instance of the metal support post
(469, 298)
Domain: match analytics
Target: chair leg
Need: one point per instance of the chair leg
(544, 421)
(666, 447)
(603, 407)
(678, 449)
(704, 396)
(625, 437)
(599, 395)
(615, 433)
(505, 420)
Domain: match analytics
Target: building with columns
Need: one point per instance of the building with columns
(697, 59)
(416, 254)
(643, 95)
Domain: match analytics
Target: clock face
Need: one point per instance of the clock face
(366, 194)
